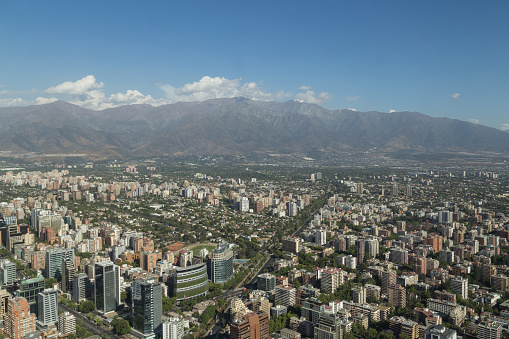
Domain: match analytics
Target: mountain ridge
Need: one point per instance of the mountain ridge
(236, 126)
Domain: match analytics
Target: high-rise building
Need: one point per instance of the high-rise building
(7, 272)
(66, 324)
(328, 326)
(360, 250)
(148, 307)
(388, 278)
(252, 326)
(107, 286)
(400, 325)
(4, 300)
(29, 289)
(440, 332)
(221, 263)
(489, 330)
(290, 244)
(285, 295)
(312, 309)
(459, 285)
(359, 295)
(262, 304)
(173, 328)
(266, 282)
(19, 321)
(54, 259)
(320, 237)
(372, 247)
(399, 256)
(68, 271)
(188, 282)
(81, 288)
(148, 261)
(397, 296)
(47, 308)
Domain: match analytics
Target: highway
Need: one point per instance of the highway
(92, 327)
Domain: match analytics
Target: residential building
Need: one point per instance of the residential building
(47, 308)
(328, 326)
(7, 272)
(173, 328)
(290, 244)
(251, 326)
(66, 324)
(397, 296)
(440, 332)
(388, 278)
(489, 330)
(359, 294)
(285, 295)
(19, 321)
(312, 309)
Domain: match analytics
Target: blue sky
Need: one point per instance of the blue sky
(441, 58)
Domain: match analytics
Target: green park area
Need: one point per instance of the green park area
(209, 247)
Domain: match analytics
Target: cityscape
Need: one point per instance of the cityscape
(282, 169)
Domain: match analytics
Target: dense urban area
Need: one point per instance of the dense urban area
(272, 247)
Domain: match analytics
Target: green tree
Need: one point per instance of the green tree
(121, 326)
(49, 282)
(87, 306)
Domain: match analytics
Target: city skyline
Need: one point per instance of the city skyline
(440, 59)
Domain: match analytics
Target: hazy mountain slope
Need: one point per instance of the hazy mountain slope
(235, 126)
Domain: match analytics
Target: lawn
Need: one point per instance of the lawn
(196, 250)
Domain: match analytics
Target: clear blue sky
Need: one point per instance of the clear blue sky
(442, 58)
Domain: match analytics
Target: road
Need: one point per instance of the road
(92, 327)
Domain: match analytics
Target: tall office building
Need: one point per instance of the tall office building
(29, 289)
(68, 271)
(148, 307)
(266, 282)
(81, 288)
(188, 282)
(107, 286)
(253, 326)
(221, 263)
(19, 321)
(395, 189)
(54, 259)
(47, 308)
(173, 328)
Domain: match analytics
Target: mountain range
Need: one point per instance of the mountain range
(236, 126)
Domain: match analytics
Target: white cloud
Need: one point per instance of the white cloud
(311, 97)
(353, 98)
(505, 127)
(392, 111)
(44, 101)
(79, 87)
(474, 121)
(11, 102)
(89, 93)
(218, 87)
(455, 96)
